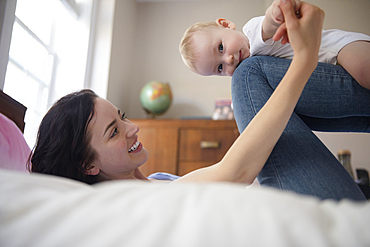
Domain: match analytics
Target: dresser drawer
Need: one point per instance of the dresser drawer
(174, 145)
(205, 144)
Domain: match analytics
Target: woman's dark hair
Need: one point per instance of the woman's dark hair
(63, 141)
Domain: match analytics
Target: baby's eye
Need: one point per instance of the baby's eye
(219, 68)
(114, 133)
(221, 48)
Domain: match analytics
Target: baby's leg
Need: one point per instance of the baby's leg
(355, 58)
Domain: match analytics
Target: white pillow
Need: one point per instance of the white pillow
(43, 210)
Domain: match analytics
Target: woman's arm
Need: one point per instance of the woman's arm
(248, 154)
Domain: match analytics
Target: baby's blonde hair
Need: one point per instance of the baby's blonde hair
(187, 45)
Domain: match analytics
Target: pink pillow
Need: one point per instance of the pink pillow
(14, 150)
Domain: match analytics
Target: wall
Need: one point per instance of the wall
(122, 53)
(7, 10)
(100, 46)
(153, 55)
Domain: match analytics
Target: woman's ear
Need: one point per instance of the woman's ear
(92, 170)
(225, 23)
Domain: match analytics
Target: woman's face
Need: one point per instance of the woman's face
(116, 142)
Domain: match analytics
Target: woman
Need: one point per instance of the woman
(86, 138)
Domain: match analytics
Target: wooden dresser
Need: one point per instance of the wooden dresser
(180, 146)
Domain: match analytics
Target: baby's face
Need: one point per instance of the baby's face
(220, 50)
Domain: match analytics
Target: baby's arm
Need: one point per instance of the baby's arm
(274, 18)
(355, 58)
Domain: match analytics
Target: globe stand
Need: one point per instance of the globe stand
(149, 114)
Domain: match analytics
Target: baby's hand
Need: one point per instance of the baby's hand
(277, 14)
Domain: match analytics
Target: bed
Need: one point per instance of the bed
(44, 210)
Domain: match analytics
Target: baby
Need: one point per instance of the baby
(216, 48)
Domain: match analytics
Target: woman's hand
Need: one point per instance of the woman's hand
(304, 33)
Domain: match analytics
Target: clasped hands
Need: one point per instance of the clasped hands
(301, 26)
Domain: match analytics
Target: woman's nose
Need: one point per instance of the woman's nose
(132, 129)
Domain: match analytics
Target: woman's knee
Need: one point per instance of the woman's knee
(261, 69)
(248, 65)
(250, 90)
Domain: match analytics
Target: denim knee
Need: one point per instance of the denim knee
(250, 89)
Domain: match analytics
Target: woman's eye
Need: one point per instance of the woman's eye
(123, 116)
(221, 48)
(219, 68)
(114, 133)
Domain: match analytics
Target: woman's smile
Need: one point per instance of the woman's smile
(136, 147)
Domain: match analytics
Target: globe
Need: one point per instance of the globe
(155, 98)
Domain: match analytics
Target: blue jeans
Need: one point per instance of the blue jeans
(331, 101)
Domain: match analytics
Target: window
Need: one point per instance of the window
(30, 68)
(47, 56)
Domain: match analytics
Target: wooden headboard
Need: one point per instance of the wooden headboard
(12, 109)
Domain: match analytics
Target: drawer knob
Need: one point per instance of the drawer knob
(207, 144)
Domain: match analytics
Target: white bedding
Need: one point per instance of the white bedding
(41, 210)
